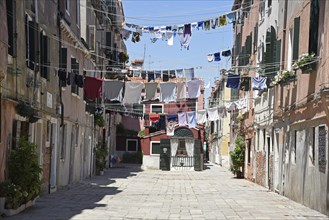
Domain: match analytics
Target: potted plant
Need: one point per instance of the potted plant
(284, 77)
(101, 152)
(25, 110)
(237, 157)
(123, 57)
(305, 63)
(23, 185)
(99, 120)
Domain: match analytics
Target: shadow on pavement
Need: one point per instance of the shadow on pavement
(81, 197)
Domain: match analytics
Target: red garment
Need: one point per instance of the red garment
(93, 87)
(154, 117)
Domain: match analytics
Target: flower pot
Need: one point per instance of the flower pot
(239, 174)
(306, 69)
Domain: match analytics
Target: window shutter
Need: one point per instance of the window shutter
(165, 157)
(277, 55)
(197, 159)
(255, 37)
(63, 63)
(296, 38)
(314, 27)
(42, 56)
(268, 53)
(11, 17)
(32, 47)
(48, 57)
(26, 41)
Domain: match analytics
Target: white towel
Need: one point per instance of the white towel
(167, 92)
(113, 90)
(179, 73)
(182, 121)
(181, 90)
(213, 114)
(133, 91)
(171, 128)
(222, 112)
(201, 116)
(170, 38)
(151, 90)
(230, 106)
(189, 73)
(210, 57)
(193, 88)
(191, 119)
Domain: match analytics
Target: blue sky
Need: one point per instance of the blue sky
(160, 56)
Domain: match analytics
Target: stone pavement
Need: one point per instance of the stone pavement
(129, 193)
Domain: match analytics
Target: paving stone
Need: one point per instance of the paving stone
(129, 193)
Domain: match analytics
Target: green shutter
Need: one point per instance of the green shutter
(296, 38)
(314, 27)
(255, 37)
(277, 54)
(63, 63)
(197, 158)
(165, 155)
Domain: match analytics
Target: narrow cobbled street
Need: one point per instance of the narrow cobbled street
(127, 192)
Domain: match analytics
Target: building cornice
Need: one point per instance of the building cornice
(69, 33)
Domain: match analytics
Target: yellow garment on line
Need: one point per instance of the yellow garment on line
(222, 20)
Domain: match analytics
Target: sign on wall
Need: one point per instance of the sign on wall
(322, 148)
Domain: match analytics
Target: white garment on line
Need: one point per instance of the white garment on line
(182, 121)
(213, 114)
(201, 116)
(113, 90)
(167, 92)
(170, 38)
(151, 90)
(222, 112)
(181, 90)
(133, 91)
(210, 57)
(170, 128)
(193, 88)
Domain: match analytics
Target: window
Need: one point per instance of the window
(77, 9)
(44, 55)
(295, 147)
(264, 136)
(156, 108)
(11, 21)
(269, 3)
(181, 150)
(312, 150)
(155, 147)
(289, 58)
(63, 141)
(314, 27)
(322, 145)
(30, 29)
(48, 131)
(249, 150)
(296, 38)
(258, 137)
(131, 145)
(67, 6)
(91, 40)
(74, 73)
(255, 38)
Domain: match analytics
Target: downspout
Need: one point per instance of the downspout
(59, 17)
(281, 95)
